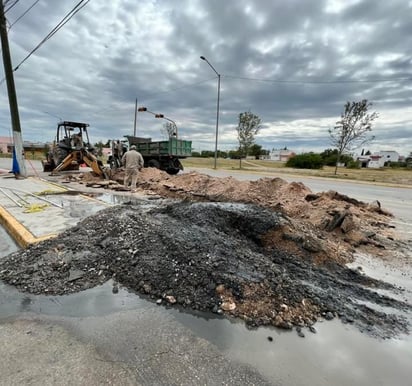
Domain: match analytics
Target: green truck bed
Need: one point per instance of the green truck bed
(173, 147)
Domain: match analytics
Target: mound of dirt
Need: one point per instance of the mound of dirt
(209, 256)
(324, 226)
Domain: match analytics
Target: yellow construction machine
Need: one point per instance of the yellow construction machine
(70, 149)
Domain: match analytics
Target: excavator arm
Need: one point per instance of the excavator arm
(92, 162)
(82, 156)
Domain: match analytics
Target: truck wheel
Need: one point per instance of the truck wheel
(172, 171)
(153, 163)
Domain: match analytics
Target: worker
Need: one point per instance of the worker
(133, 162)
(77, 140)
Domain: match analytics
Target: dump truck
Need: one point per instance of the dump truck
(70, 149)
(163, 155)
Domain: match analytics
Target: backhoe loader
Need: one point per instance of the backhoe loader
(70, 149)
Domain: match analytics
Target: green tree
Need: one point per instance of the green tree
(256, 150)
(234, 154)
(305, 161)
(207, 153)
(353, 129)
(99, 148)
(330, 157)
(408, 160)
(248, 126)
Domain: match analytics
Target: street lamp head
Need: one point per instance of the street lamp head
(203, 58)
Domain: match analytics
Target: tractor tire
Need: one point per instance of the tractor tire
(59, 155)
(114, 163)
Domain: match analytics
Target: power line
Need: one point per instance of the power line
(60, 25)
(24, 13)
(317, 81)
(160, 92)
(11, 6)
(178, 88)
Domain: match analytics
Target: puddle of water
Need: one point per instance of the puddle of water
(116, 199)
(388, 272)
(338, 354)
(7, 244)
(97, 301)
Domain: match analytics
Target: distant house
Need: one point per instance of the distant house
(282, 155)
(5, 142)
(376, 161)
(31, 149)
(379, 159)
(389, 156)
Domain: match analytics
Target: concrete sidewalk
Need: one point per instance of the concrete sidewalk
(33, 209)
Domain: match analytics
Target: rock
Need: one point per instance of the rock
(299, 332)
(336, 221)
(348, 224)
(115, 289)
(311, 245)
(375, 205)
(347, 319)
(220, 289)
(329, 316)
(270, 339)
(75, 274)
(228, 306)
(147, 288)
(159, 302)
(171, 299)
(284, 307)
(67, 259)
(281, 323)
(311, 197)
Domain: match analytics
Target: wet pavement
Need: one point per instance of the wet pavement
(41, 208)
(118, 323)
(338, 354)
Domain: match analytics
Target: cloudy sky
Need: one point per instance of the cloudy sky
(294, 63)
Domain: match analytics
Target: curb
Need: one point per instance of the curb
(19, 232)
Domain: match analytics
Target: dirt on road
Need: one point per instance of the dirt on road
(268, 252)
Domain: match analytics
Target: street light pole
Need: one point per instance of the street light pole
(19, 167)
(217, 108)
(135, 118)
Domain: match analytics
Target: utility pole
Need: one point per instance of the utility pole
(20, 168)
(135, 119)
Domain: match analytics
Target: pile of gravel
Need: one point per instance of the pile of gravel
(204, 256)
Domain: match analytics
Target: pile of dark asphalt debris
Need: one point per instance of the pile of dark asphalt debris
(207, 256)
